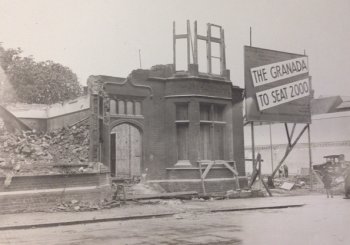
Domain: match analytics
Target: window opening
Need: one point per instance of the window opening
(182, 129)
(211, 131)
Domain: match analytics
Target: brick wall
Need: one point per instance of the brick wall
(38, 124)
(20, 183)
(66, 119)
(193, 173)
(40, 193)
(238, 130)
(218, 186)
(159, 140)
(49, 200)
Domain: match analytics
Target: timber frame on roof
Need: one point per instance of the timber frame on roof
(192, 46)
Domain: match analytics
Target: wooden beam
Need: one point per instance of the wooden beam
(200, 37)
(208, 49)
(228, 166)
(288, 150)
(181, 36)
(206, 171)
(215, 40)
(291, 134)
(195, 52)
(222, 53)
(287, 132)
(266, 187)
(179, 195)
(202, 179)
(310, 155)
(174, 46)
(188, 44)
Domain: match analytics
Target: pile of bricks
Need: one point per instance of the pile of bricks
(33, 153)
(76, 205)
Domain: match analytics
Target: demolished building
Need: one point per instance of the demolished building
(164, 124)
(161, 123)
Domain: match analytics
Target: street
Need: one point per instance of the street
(320, 221)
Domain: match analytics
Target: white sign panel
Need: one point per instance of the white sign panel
(277, 71)
(283, 94)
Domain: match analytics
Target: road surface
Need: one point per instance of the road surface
(320, 221)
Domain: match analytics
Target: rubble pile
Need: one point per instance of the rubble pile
(70, 145)
(33, 153)
(297, 180)
(80, 206)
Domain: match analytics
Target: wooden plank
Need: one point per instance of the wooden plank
(178, 195)
(135, 152)
(287, 186)
(206, 171)
(249, 160)
(179, 36)
(122, 150)
(208, 49)
(253, 177)
(188, 43)
(237, 179)
(174, 46)
(288, 136)
(215, 40)
(288, 150)
(293, 129)
(202, 179)
(195, 52)
(200, 37)
(222, 52)
(266, 187)
(227, 165)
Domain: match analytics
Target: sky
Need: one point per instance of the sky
(104, 37)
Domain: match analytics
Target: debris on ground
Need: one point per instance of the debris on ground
(287, 186)
(146, 188)
(185, 195)
(36, 153)
(80, 206)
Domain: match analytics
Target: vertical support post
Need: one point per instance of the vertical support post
(250, 36)
(195, 52)
(140, 58)
(259, 165)
(188, 44)
(202, 179)
(212, 133)
(260, 178)
(222, 52)
(129, 148)
(253, 144)
(209, 48)
(310, 154)
(174, 46)
(271, 149)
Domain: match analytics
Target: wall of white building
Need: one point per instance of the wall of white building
(51, 117)
(330, 134)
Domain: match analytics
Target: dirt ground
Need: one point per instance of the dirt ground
(320, 221)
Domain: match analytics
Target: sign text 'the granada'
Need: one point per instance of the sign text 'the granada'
(283, 94)
(277, 71)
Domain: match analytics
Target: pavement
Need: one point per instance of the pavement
(147, 209)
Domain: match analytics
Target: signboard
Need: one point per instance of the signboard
(282, 94)
(277, 71)
(277, 86)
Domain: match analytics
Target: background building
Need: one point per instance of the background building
(330, 134)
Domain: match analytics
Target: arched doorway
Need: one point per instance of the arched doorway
(126, 151)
